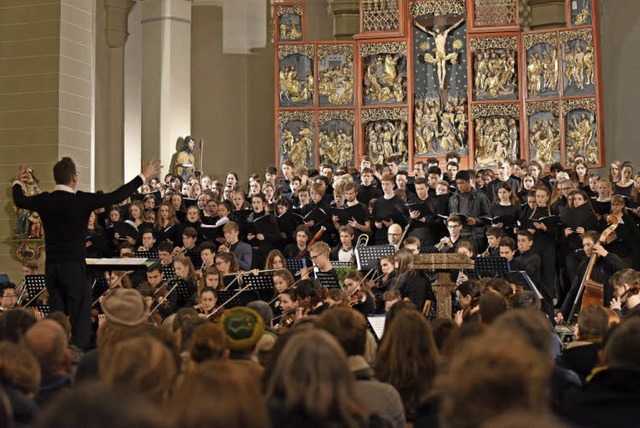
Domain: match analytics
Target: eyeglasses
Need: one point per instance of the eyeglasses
(316, 256)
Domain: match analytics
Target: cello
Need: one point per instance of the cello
(592, 292)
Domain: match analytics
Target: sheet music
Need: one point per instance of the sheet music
(377, 324)
(131, 261)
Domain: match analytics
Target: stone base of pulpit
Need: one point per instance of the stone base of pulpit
(443, 287)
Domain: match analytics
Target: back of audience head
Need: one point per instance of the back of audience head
(593, 323)
(142, 364)
(219, 394)
(15, 323)
(312, 381)
(492, 304)
(408, 358)
(19, 368)
(97, 405)
(622, 350)
(349, 327)
(492, 374)
(208, 342)
(49, 343)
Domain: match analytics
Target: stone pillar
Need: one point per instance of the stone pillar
(547, 14)
(166, 77)
(46, 98)
(111, 36)
(346, 18)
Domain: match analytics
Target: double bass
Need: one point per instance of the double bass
(592, 292)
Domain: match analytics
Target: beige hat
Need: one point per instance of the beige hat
(125, 307)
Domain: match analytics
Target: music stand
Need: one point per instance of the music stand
(44, 309)
(99, 286)
(34, 285)
(368, 257)
(293, 265)
(146, 254)
(491, 266)
(376, 325)
(241, 299)
(343, 264)
(429, 249)
(183, 292)
(522, 279)
(168, 272)
(261, 284)
(327, 280)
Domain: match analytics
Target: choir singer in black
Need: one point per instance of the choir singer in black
(64, 213)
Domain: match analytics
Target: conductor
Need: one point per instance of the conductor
(65, 213)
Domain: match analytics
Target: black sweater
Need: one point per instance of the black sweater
(65, 215)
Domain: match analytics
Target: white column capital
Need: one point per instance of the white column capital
(117, 12)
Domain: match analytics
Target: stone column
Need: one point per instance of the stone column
(166, 77)
(46, 99)
(346, 18)
(111, 36)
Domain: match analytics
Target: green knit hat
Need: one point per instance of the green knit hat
(244, 327)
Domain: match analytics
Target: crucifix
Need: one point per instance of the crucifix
(440, 33)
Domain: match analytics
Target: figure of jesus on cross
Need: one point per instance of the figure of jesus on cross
(440, 56)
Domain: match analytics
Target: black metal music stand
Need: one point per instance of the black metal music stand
(34, 285)
(429, 249)
(369, 256)
(293, 265)
(491, 267)
(146, 254)
(327, 280)
(344, 264)
(168, 272)
(44, 309)
(241, 299)
(261, 284)
(183, 292)
(99, 285)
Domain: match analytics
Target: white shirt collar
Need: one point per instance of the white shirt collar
(63, 188)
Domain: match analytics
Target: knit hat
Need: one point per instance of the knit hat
(244, 327)
(125, 307)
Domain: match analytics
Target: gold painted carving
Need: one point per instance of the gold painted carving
(383, 48)
(287, 50)
(484, 43)
(289, 10)
(540, 106)
(342, 48)
(530, 40)
(372, 115)
(490, 110)
(588, 104)
(437, 7)
(327, 115)
(290, 115)
(582, 34)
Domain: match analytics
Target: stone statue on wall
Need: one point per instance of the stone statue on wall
(29, 224)
(185, 160)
